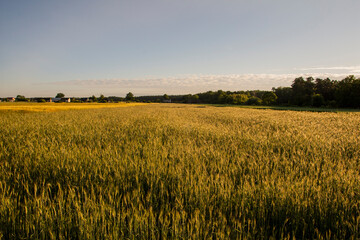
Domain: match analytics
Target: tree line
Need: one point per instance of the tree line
(321, 92)
(312, 92)
(317, 92)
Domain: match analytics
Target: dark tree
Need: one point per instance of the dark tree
(269, 98)
(348, 92)
(130, 97)
(21, 98)
(102, 99)
(284, 95)
(254, 101)
(60, 95)
(317, 100)
(326, 88)
(302, 91)
(93, 98)
(191, 98)
(166, 97)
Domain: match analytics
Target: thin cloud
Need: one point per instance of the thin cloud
(349, 69)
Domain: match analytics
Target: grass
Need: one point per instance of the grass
(53, 107)
(180, 172)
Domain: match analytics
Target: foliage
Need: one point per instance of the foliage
(93, 98)
(60, 95)
(191, 98)
(269, 98)
(181, 172)
(21, 98)
(284, 95)
(130, 97)
(102, 99)
(331, 93)
(302, 91)
(348, 92)
(166, 97)
(254, 101)
(317, 100)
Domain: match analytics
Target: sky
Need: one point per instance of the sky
(152, 47)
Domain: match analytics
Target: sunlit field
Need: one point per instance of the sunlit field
(177, 171)
(53, 107)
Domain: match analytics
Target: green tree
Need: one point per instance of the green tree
(191, 98)
(93, 98)
(348, 92)
(21, 98)
(195, 98)
(254, 101)
(60, 95)
(317, 100)
(102, 99)
(284, 95)
(166, 97)
(130, 97)
(302, 91)
(269, 98)
(326, 88)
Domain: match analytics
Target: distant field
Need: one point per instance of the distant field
(294, 108)
(180, 172)
(52, 107)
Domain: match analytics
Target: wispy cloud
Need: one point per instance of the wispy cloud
(187, 83)
(344, 69)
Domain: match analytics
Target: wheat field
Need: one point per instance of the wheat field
(173, 171)
(54, 107)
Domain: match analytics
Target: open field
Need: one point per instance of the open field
(179, 171)
(289, 108)
(53, 107)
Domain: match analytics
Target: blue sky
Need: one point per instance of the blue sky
(152, 47)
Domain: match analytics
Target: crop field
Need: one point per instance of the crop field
(53, 107)
(173, 171)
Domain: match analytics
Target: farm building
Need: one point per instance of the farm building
(61, 100)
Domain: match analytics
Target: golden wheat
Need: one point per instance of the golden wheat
(52, 107)
(179, 171)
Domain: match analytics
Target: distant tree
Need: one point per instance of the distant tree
(187, 98)
(191, 98)
(166, 97)
(326, 88)
(254, 101)
(222, 97)
(237, 98)
(317, 100)
(60, 95)
(21, 98)
(195, 98)
(241, 98)
(269, 98)
(348, 92)
(102, 99)
(93, 98)
(302, 91)
(284, 95)
(130, 97)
